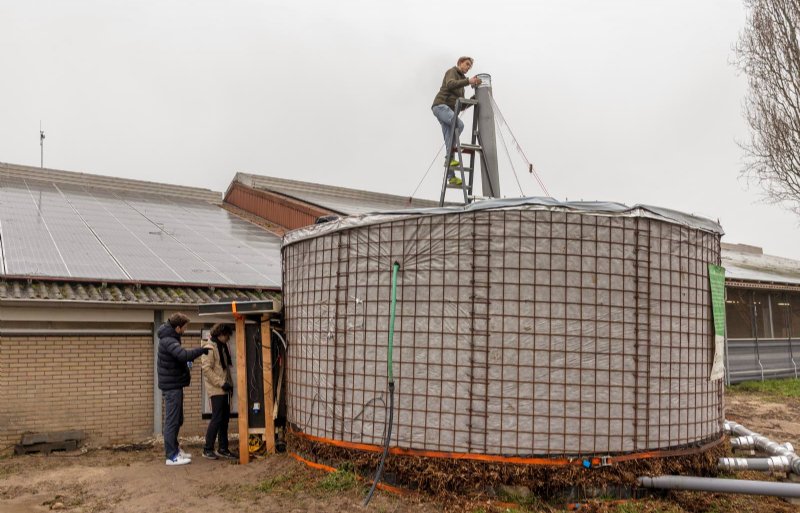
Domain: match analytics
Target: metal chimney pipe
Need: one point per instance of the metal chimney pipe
(490, 178)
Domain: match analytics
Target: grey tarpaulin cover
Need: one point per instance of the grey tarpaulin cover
(524, 327)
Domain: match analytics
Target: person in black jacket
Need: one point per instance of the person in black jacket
(173, 376)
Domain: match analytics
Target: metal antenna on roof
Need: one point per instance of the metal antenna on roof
(41, 145)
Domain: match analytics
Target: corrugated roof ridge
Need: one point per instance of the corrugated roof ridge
(108, 182)
(748, 258)
(317, 188)
(119, 293)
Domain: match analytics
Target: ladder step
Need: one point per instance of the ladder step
(468, 101)
(451, 186)
(471, 147)
(468, 149)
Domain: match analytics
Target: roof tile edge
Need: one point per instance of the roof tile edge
(258, 181)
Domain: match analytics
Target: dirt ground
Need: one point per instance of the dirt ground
(779, 420)
(135, 479)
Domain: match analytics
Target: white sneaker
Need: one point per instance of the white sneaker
(184, 454)
(178, 460)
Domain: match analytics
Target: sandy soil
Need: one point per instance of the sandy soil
(133, 480)
(138, 481)
(779, 420)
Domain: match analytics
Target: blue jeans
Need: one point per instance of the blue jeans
(445, 116)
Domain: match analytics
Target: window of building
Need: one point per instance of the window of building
(763, 314)
(738, 313)
(781, 314)
(794, 309)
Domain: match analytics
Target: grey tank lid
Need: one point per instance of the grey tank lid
(606, 208)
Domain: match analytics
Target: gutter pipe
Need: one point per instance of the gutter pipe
(97, 332)
(43, 332)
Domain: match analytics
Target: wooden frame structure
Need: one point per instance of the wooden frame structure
(241, 311)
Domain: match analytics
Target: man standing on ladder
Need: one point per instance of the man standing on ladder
(444, 106)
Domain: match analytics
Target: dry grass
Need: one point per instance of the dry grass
(444, 478)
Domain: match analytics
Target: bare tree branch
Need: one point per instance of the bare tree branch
(768, 52)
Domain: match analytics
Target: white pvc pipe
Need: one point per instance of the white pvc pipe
(750, 439)
(771, 464)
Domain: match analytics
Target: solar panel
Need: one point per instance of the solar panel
(27, 240)
(80, 248)
(142, 248)
(69, 231)
(232, 248)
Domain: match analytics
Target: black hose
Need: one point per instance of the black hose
(379, 472)
(389, 379)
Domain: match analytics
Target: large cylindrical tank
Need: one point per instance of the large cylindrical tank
(524, 327)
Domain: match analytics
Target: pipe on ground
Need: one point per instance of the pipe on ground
(713, 484)
(761, 443)
(751, 439)
(771, 464)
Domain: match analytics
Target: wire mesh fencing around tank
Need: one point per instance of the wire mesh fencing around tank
(520, 331)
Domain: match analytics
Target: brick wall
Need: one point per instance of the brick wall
(102, 385)
(282, 210)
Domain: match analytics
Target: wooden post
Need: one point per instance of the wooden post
(266, 356)
(241, 390)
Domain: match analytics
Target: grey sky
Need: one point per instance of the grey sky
(621, 100)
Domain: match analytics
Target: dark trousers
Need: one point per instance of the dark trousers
(173, 420)
(218, 427)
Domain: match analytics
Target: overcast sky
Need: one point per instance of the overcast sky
(632, 101)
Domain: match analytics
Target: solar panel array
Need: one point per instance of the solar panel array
(68, 231)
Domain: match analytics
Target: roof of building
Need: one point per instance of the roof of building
(750, 264)
(123, 293)
(108, 182)
(75, 226)
(340, 200)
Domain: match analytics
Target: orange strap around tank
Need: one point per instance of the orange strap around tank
(404, 492)
(326, 468)
(596, 461)
(318, 466)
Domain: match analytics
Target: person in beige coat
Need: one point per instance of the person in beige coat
(216, 365)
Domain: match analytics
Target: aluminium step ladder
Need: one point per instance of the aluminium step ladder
(457, 150)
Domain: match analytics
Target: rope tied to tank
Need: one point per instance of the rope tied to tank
(390, 379)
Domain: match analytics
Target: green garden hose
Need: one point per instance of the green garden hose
(390, 378)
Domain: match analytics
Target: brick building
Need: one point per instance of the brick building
(89, 267)
(762, 313)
